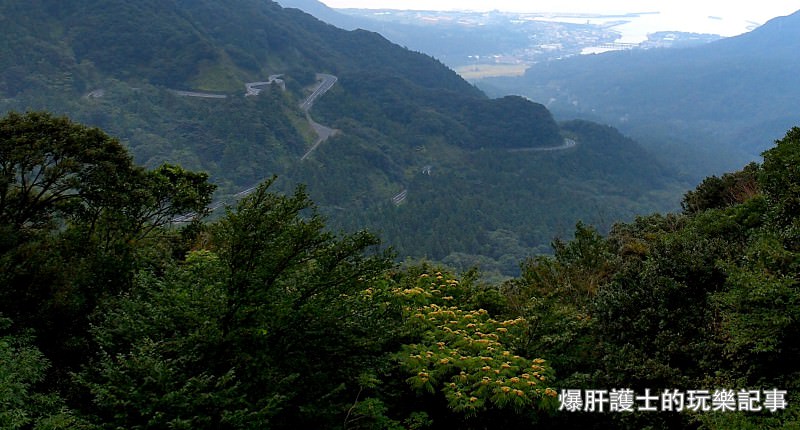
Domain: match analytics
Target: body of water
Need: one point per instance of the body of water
(634, 28)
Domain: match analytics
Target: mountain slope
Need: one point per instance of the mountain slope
(454, 42)
(421, 155)
(181, 42)
(324, 13)
(734, 95)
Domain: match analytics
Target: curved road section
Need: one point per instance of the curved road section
(255, 88)
(568, 143)
(326, 82)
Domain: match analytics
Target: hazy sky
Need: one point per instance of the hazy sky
(681, 12)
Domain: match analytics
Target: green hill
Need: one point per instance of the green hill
(420, 154)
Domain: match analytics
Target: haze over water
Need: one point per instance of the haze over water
(636, 28)
(720, 17)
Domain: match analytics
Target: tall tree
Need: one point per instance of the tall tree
(267, 324)
(74, 214)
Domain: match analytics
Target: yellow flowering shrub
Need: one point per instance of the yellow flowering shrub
(466, 354)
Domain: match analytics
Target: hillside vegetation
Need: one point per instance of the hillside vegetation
(421, 154)
(110, 317)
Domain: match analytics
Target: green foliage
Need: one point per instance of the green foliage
(541, 192)
(465, 354)
(222, 340)
(266, 318)
(554, 295)
(780, 177)
(78, 218)
(719, 192)
(156, 364)
(702, 299)
(23, 403)
(48, 164)
(759, 309)
(54, 173)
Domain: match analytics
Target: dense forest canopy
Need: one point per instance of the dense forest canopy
(112, 316)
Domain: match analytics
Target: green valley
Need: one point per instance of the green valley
(408, 126)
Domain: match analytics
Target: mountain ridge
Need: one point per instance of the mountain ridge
(736, 95)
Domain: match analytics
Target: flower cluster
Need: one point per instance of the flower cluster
(466, 354)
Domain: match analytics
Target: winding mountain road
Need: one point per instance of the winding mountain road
(254, 88)
(198, 94)
(568, 143)
(326, 82)
(323, 134)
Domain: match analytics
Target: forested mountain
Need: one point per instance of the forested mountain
(111, 318)
(420, 156)
(724, 101)
(201, 44)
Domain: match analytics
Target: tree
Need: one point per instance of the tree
(77, 218)
(54, 172)
(780, 177)
(22, 403)
(51, 167)
(268, 325)
(719, 192)
(463, 363)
